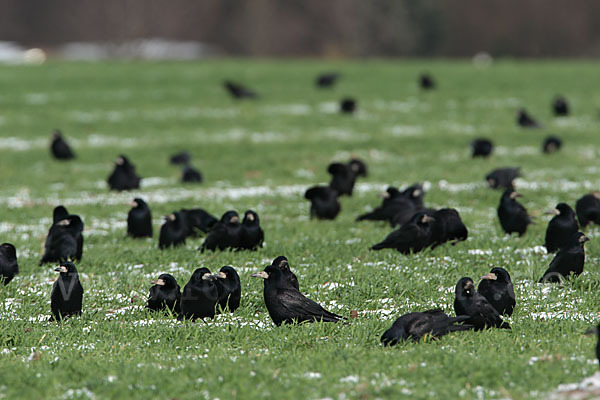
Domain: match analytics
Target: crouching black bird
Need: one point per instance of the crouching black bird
(551, 144)
(447, 226)
(286, 304)
(512, 215)
(237, 91)
(481, 147)
(64, 240)
(560, 228)
(173, 231)
(139, 219)
(588, 209)
(251, 234)
(224, 234)
(502, 178)
(182, 158)
(8, 263)
(347, 105)
(397, 207)
(60, 148)
(482, 315)
(198, 220)
(497, 288)
(327, 80)
(200, 296)
(282, 264)
(123, 176)
(343, 176)
(324, 202)
(560, 106)
(413, 236)
(524, 120)
(190, 174)
(415, 325)
(165, 295)
(426, 82)
(229, 289)
(569, 260)
(67, 293)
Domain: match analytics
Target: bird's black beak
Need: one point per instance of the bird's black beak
(261, 274)
(490, 277)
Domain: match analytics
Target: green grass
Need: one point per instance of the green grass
(286, 140)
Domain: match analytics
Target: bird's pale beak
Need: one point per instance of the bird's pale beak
(427, 218)
(133, 203)
(552, 212)
(491, 182)
(490, 277)
(469, 285)
(120, 161)
(171, 217)
(583, 239)
(261, 274)
(63, 222)
(235, 218)
(61, 268)
(208, 277)
(159, 282)
(221, 275)
(385, 195)
(514, 195)
(250, 217)
(416, 193)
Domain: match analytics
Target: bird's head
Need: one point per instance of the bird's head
(497, 274)
(66, 267)
(465, 287)
(251, 218)
(166, 280)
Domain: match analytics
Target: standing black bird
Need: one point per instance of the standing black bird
(569, 260)
(64, 240)
(588, 209)
(447, 226)
(498, 289)
(251, 234)
(560, 106)
(596, 332)
(123, 176)
(327, 80)
(190, 174)
(286, 304)
(426, 82)
(59, 213)
(502, 178)
(282, 264)
(139, 219)
(551, 144)
(525, 120)
(343, 176)
(415, 325)
(60, 148)
(481, 147)
(200, 296)
(182, 158)
(238, 91)
(67, 292)
(229, 288)
(512, 215)
(324, 202)
(481, 313)
(165, 294)
(198, 220)
(8, 263)
(173, 231)
(413, 236)
(347, 105)
(560, 228)
(224, 234)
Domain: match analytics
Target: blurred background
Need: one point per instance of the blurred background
(189, 29)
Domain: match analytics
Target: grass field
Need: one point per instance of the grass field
(262, 155)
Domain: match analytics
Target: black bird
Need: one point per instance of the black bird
(173, 231)
(327, 80)
(229, 288)
(8, 263)
(481, 147)
(251, 234)
(415, 325)
(200, 296)
(347, 105)
(165, 295)
(512, 215)
(282, 264)
(560, 106)
(60, 148)
(426, 82)
(413, 236)
(502, 178)
(524, 120)
(238, 91)
(498, 289)
(560, 228)
(224, 234)
(59, 213)
(324, 202)
(569, 260)
(286, 304)
(123, 176)
(551, 144)
(67, 292)
(190, 174)
(139, 219)
(198, 220)
(343, 176)
(588, 209)
(447, 226)
(397, 207)
(596, 332)
(64, 240)
(482, 314)
(182, 158)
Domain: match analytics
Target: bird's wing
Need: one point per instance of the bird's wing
(301, 307)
